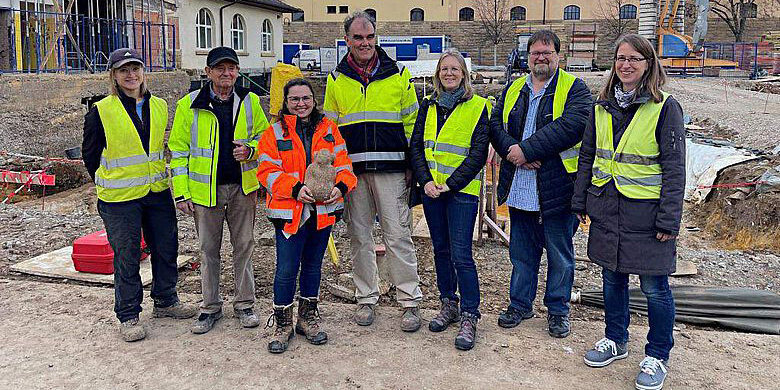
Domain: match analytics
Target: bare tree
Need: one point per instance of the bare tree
(735, 13)
(494, 17)
(612, 24)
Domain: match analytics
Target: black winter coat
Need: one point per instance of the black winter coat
(622, 235)
(551, 138)
(469, 168)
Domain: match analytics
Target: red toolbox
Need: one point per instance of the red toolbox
(93, 254)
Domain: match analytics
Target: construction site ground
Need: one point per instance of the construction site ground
(59, 333)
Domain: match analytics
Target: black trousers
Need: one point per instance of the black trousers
(155, 214)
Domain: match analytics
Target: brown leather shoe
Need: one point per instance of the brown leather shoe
(309, 321)
(177, 310)
(132, 330)
(365, 314)
(410, 321)
(280, 340)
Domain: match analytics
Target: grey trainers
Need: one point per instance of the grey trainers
(177, 310)
(449, 314)
(247, 318)
(132, 330)
(605, 352)
(364, 314)
(205, 322)
(410, 321)
(652, 373)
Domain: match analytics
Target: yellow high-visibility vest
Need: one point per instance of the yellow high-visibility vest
(126, 171)
(194, 145)
(390, 100)
(446, 151)
(634, 165)
(570, 156)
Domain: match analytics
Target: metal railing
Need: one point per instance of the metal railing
(755, 57)
(56, 42)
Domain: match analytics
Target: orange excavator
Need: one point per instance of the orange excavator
(679, 51)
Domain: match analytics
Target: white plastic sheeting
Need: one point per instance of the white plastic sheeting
(703, 163)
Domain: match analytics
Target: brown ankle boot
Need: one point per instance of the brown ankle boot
(309, 321)
(280, 340)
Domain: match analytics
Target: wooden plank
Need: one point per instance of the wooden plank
(58, 264)
(497, 230)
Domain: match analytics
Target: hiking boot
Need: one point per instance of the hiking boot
(558, 326)
(411, 321)
(178, 310)
(364, 314)
(247, 317)
(605, 352)
(132, 330)
(280, 340)
(467, 334)
(652, 373)
(205, 322)
(309, 321)
(512, 317)
(449, 314)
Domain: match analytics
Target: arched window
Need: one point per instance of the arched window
(371, 12)
(466, 14)
(571, 12)
(628, 11)
(237, 33)
(267, 37)
(203, 29)
(416, 15)
(517, 13)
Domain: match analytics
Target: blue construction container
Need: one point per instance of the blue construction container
(291, 49)
(406, 46)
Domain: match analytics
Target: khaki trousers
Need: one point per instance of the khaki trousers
(383, 194)
(239, 210)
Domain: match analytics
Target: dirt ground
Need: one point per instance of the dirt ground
(64, 336)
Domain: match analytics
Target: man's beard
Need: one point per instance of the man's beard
(542, 71)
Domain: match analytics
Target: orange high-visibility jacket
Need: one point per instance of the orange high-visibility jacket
(282, 166)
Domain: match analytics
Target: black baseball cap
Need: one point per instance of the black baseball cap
(123, 56)
(219, 54)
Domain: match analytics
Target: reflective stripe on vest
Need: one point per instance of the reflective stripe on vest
(377, 103)
(126, 171)
(377, 156)
(562, 88)
(447, 150)
(634, 166)
(204, 149)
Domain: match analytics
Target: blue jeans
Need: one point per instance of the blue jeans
(528, 235)
(302, 251)
(450, 220)
(660, 311)
(155, 214)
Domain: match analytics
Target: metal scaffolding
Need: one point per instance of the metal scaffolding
(78, 35)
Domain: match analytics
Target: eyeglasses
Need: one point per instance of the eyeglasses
(225, 69)
(632, 60)
(541, 53)
(298, 99)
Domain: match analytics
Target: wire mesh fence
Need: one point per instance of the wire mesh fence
(40, 41)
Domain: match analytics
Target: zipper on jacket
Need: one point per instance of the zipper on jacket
(538, 198)
(214, 152)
